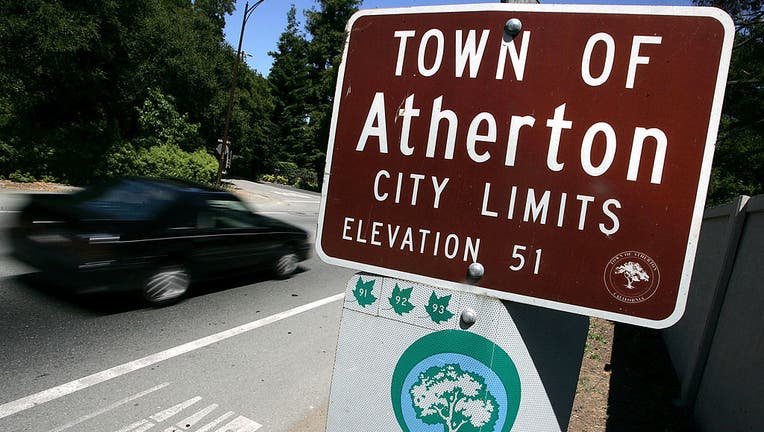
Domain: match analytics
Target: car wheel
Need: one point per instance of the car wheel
(166, 284)
(286, 265)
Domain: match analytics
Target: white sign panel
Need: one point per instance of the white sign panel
(405, 364)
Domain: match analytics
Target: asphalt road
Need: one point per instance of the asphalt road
(238, 356)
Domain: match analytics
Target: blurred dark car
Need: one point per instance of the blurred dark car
(153, 237)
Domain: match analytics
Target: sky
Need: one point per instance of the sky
(268, 21)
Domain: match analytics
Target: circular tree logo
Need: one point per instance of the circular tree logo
(632, 277)
(455, 381)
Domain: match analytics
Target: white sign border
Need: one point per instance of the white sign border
(705, 173)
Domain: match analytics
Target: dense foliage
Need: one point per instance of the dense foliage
(327, 29)
(90, 90)
(303, 78)
(739, 158)
(289, 83)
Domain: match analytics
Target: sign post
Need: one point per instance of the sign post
(566, 149)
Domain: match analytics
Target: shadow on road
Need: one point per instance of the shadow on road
(643, 386)
(43, 290)
(114, 303)
(235, 281)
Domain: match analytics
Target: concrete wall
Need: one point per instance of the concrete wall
(718, 346)
(689, 341)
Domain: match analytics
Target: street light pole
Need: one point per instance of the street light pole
(247, 12)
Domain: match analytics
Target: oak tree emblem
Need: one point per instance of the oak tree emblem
(457, 399)
(633, 272)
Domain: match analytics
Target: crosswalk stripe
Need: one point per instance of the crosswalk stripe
(208, 427)
(191, 421)
(169, 412)
(109, 408)
(240, 424)
(134, 427)
(145, 427)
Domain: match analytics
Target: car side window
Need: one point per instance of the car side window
(179, 217)
(225, 214)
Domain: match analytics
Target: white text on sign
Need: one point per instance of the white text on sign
(499, 139)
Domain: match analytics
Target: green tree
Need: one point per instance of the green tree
(289, 85)
(251, 131)
(179, 48)
(160, 123)
(84, 82)
(214, 13)
(739, 158)
(53, 79)
(326, 25)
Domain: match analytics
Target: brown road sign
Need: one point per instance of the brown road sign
(566, 149)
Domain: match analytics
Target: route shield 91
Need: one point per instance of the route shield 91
(567, 149)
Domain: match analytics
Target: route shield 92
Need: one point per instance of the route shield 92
(567, 149)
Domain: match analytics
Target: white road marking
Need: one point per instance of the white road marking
(110, 407)
(294, 194)
(134, 427)
(62, 390)
(191, 421)
(208, 427)
(169, 412)
(240, 424)
(144, 428)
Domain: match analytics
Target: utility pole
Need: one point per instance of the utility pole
(221, 162)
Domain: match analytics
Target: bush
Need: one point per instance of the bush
(271, 178)
(121, 161)
(8, 158)
(170, 161)
(306, 185)
(290, 170)
(164, 160)
(21, 177)
(303, 178)
(288, 173)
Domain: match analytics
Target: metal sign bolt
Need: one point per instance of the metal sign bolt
(469, 316)
(475, 271)
(512, 27)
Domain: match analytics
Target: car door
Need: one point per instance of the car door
(230, 237)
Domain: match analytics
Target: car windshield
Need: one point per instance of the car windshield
(128, 200)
